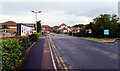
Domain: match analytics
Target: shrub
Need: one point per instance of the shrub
(11, 52)
(35, 36)
(70, 33)
(82, 31)
(77, 34)
(57, 31)
(24, 42)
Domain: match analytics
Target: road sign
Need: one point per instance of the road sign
(106, 31)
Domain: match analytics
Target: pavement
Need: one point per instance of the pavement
(39, 58)
(78, 53)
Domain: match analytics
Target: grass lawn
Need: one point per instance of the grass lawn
(99, 39)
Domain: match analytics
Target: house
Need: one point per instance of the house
(47, 28)
(75, 29)
(64, 28)
(11, 24)
(55, 28)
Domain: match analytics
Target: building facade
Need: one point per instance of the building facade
(64, 28)
(47, 28)
(13, 25)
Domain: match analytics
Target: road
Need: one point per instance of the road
(79, 53)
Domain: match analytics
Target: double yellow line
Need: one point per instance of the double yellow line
(58, 58)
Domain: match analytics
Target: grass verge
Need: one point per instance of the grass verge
(99, 39)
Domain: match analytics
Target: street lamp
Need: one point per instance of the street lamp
(36, 17)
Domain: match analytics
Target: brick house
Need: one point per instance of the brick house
(47, 28)
(64, 28)
(77, 29)
(11, 24)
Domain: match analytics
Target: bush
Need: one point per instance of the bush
(35, 36)
(82, 31)
(70, 33)
(77, 34)
(24, 42)
(57, 31)
(11, 52)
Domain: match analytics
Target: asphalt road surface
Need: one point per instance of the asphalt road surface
(78, 53)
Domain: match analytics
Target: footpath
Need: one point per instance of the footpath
(39, 58)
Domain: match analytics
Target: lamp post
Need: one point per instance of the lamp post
(36, 17)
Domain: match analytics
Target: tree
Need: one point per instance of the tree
(105, 21)
(39, 28)
(78, 25)
(5, 26)
(119, 30)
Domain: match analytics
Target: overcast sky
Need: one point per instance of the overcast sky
(56, 12)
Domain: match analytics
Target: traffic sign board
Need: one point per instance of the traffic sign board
(106, 31)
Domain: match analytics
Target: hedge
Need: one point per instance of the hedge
(11, 52)
(13, 49)
(70, 32)
(35, 36)
(57, 31)
(77, 34)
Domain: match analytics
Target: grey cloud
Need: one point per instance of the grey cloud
(94, 9)
(64, 9)
(20, 8)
